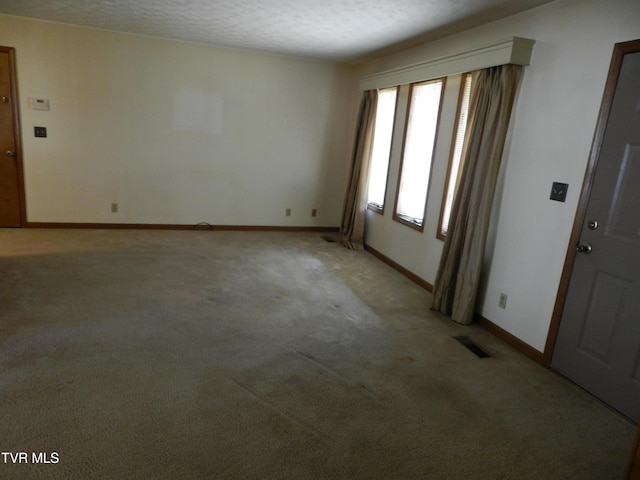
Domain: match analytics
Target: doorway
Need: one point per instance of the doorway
(595, 333)
(11, 181)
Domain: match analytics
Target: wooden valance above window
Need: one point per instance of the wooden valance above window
(514, 50)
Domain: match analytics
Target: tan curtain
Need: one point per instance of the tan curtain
(355, 203)
(492, 97)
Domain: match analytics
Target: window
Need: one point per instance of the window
(381, 148)
(419, 143)
(453, 172)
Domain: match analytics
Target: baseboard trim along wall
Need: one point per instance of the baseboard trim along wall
(396, 266)
(198, 226)
(508, 338)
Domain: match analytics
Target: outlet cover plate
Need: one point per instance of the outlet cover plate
(502, 301)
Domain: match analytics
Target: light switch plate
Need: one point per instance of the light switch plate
(40, 132)
(559, 191)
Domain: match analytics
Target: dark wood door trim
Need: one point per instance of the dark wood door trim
(633, 468)
(16, 130)
(619, 50)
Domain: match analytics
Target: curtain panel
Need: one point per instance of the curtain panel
(355, 203)
(492, 98)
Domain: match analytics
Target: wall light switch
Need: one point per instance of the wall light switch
(40, 132)
(559, 191)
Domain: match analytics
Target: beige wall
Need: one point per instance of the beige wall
(550, 139)
(178, 133)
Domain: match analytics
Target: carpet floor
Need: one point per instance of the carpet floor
(131, 354)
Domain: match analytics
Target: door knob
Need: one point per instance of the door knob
(11, 153)
(584, 248)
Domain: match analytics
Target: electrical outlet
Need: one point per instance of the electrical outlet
(288, 212)
(502, 302)
(114, 208)
(314, 213)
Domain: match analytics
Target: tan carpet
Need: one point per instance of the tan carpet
(241, 355)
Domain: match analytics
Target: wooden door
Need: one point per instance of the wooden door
(598, 340)
(11, 188)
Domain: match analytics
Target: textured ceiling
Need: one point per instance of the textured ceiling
(336, 30)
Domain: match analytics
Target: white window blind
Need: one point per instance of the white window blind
(456, 155)
(424, 109)
(381, 147)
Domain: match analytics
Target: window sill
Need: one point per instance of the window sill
(374, 207)
(409, 222)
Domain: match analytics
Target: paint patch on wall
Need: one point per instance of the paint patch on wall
(199, 112)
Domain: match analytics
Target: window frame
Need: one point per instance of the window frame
(447, 181)
(374, 207)
(396, 216)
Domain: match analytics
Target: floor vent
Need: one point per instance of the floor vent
(471, 345)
